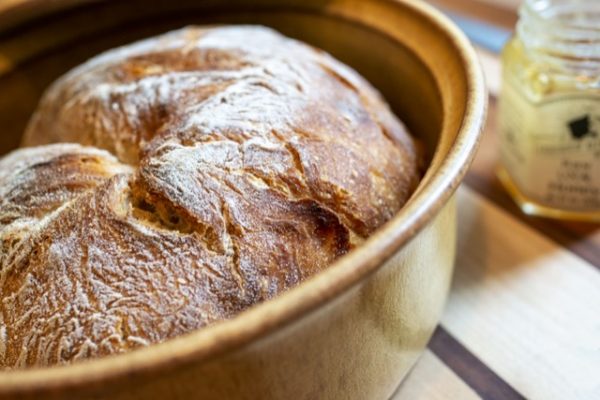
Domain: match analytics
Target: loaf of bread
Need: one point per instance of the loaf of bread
(177, 181)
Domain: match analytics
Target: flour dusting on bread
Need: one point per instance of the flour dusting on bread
(192, 175)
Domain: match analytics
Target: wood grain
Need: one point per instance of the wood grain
(524, 305)
(498, 12)
(431, 379)
(510, 5)
(491, 69)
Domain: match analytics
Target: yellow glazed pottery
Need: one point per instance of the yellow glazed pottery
(351, 332)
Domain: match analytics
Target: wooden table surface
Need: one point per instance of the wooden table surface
(523, 317)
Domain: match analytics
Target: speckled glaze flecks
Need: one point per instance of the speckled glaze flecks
(354, 330)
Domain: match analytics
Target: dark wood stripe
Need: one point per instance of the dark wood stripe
(470, 369)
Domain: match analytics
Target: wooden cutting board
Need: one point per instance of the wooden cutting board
(523, 317)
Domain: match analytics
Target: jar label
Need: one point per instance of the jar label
(551, 148)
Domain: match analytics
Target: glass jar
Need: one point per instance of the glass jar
(549, 110)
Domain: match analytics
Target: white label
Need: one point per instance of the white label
(551, 149)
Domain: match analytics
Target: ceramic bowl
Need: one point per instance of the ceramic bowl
(354, 330)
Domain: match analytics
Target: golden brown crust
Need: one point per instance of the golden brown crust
(247, 162)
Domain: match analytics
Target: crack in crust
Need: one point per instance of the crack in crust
(235, 164)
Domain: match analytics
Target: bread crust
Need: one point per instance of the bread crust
(210, 169)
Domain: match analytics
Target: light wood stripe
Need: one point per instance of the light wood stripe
(491, 70)
(524, 306)
(579, 238)
(430, 379)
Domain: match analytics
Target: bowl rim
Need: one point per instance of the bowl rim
(331, 284)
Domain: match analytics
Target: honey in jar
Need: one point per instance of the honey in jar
(550, 110)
